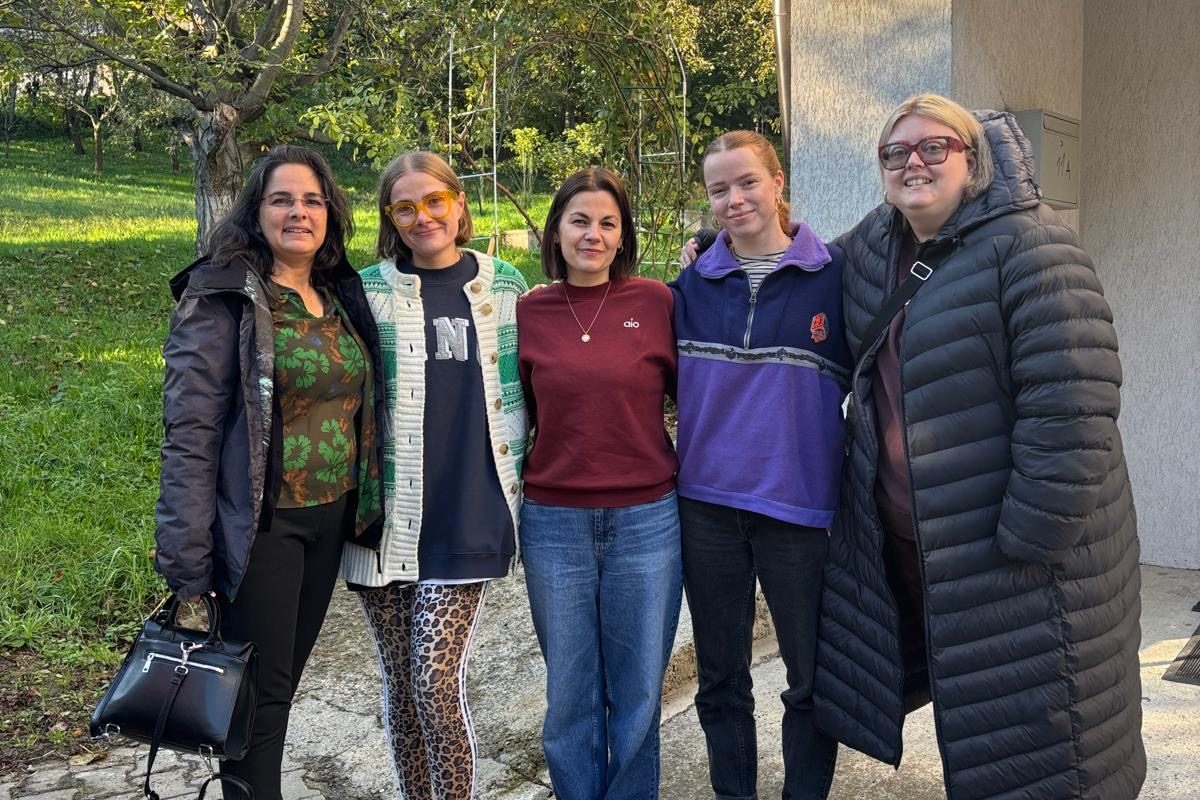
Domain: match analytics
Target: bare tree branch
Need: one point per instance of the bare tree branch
(155, 74)
(466, 154)
(265, 31)
(256, 96)
(335, 42)
(206, 20)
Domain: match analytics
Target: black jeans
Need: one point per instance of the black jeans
(724, 550)
(280, 607)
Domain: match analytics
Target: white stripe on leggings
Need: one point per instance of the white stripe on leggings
(462, 683)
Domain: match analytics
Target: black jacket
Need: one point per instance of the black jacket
(1022, 506)
(222, 463)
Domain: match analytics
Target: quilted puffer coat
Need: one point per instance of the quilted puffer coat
(1022, 508)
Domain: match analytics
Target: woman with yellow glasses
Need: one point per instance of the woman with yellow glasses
(454, 442)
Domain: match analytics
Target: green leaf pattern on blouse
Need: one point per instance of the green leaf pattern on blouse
(319, 373)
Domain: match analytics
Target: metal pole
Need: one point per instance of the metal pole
(783, 72)
(495, 144)
(450, 102)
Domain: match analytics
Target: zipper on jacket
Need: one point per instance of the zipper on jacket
(753, 302)
(750, 317)
(912, 494)
(152, 657)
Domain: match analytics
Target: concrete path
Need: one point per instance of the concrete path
(337, 749)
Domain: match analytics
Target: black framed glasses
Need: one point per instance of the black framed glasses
(931, 149)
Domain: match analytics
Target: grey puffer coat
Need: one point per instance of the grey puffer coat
(1023, 512)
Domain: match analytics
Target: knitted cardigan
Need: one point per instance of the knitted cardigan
(395, 300)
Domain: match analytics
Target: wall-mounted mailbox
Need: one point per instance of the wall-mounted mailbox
(1055, 141)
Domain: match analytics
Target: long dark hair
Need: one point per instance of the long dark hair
(589, 179)
(238, 236)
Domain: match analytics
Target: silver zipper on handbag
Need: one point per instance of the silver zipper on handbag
(151, 657)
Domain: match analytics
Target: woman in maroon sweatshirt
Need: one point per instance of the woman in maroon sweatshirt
(599, 526)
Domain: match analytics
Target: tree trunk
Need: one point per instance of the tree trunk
(97, 148)
(73, 132)
(10, 116)
(135, 143)
(213, 142)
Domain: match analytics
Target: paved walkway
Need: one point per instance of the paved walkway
(336, 748)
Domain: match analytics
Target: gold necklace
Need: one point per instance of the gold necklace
(586, 337)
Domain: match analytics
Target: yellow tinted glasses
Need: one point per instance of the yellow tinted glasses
(435, 204)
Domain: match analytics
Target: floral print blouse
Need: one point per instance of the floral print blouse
(320, 373)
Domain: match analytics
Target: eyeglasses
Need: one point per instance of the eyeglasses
(284, 201)
(931, 149)
(436, 204)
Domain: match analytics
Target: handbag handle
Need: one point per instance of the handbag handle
(168, 618)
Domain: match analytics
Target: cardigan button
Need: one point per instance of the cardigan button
(503, 449)
(513, 489)
(476, 287)
(495, 357)
(498, 404)
(486, 308)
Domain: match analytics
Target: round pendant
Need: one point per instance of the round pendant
(585, 338)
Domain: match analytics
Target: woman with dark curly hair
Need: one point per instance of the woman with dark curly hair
(270, 457)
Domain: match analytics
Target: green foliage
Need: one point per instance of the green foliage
(525, 143)
(83, 263)
(581, 146)
(84, 304)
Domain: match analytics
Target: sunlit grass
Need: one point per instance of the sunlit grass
(84, 304)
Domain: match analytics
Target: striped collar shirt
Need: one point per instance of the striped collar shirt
(757, 267)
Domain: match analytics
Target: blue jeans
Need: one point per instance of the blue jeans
(604, 588)
(724, 550)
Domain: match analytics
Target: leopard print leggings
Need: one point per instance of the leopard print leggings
(422, 634)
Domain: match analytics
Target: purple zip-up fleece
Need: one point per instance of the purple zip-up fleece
(762, 377)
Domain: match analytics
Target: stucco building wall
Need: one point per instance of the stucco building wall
(1019, 55)
(851, 63)
(1130, 72)
(1140, 217)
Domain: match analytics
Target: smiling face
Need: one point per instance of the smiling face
(927, 194)
(589, 235)
(295, 233)
(432, 241)
(744, 196)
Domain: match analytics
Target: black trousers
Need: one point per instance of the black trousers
(724, 550)
(280, 607)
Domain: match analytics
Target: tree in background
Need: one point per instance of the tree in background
(525, 143)
(230, 61)
(733, 74)
(598, 79)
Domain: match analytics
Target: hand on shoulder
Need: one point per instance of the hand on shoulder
(533, 289)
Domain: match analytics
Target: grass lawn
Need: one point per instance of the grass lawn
(84, 304)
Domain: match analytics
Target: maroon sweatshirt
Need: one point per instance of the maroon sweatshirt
(596, 407)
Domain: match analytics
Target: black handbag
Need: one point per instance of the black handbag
(185, 690)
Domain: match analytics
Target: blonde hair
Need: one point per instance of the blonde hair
(945, 111)
(389, 244)
(767, 156)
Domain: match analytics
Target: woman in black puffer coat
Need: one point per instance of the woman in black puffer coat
(985, 553)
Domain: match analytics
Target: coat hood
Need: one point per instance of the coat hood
(1012, 188)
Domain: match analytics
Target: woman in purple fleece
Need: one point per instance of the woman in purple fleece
(763, 367)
